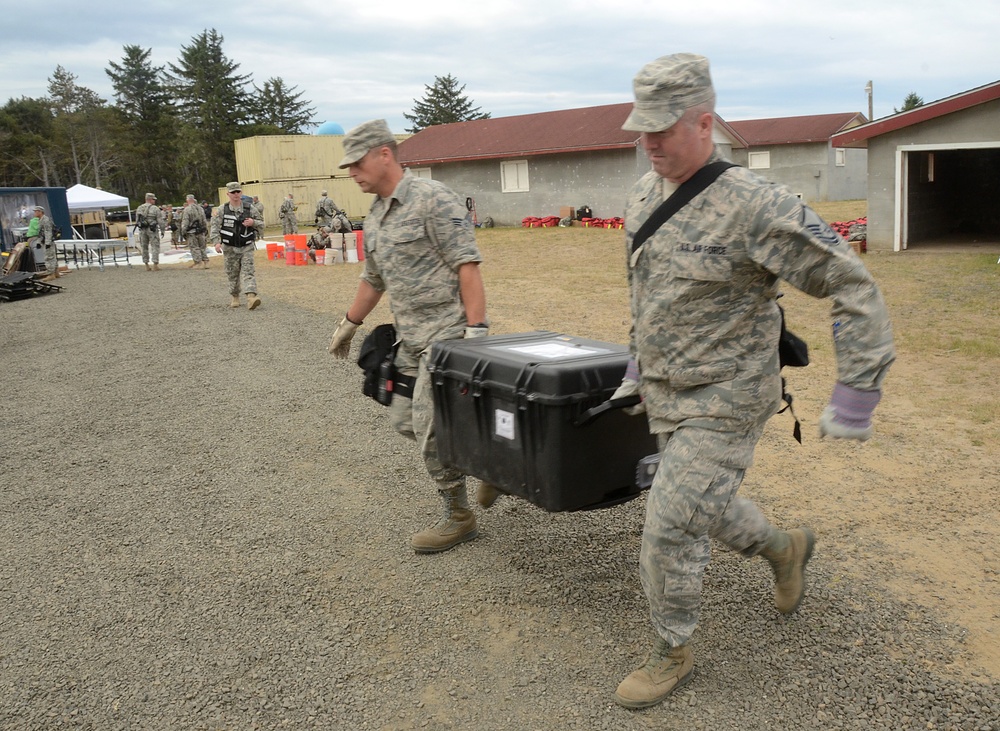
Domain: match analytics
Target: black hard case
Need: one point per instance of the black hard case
(504, 411)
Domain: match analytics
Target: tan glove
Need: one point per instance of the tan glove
(630, 387)
(340, 345)
(477, 331)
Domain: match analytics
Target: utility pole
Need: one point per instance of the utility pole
(868, 90)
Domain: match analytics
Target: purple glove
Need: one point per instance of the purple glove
(849, 415)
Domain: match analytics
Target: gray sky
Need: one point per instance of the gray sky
(770, 58)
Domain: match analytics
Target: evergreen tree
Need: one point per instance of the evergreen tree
(149, 129)
(279, 107)
(214, 106)
(912, 101)
(81, 128)
(27, 154)
(442, 103)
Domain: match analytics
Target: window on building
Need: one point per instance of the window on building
(421, 172)
(759, 160)
(514, 176)
(840, 157)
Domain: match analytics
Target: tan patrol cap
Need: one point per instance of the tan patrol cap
(150, 195)
(366, 136)
(233, 187)
(666, 88)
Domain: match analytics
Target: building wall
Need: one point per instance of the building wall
(810, 171)
(978, 124)
(596, 179)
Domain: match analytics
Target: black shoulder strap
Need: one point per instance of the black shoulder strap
(680, 198)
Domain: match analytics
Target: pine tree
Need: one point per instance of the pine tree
(214, 106)
(81, 127)
(278, 106)
(912, 101)
(147, 123)
(443, 103)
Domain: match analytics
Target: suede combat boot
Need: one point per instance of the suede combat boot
(235, 301)
(253, 301)
(148, 267)
(788, 552)
(156, 267)
(666, 670)
(457, 524)
(487, 494)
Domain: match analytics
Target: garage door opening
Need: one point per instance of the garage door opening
(950, 197)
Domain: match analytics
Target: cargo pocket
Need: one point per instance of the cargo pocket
(701, 391)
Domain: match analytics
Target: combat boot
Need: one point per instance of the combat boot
(156, 267)
(666, 670)
(253, 301)
(193, 264)
(456, 525)
(235, 301)
(487, 494)
(148, 267)
(788, 552)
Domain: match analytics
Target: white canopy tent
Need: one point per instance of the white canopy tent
(81, 198)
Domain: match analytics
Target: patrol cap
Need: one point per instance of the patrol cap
(38, 208)
(366, 136)
(189, 197)
(233, 187)
(150, 195)
(666, 88)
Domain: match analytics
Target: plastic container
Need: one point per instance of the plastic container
(320, 256)
(274, 251)
(359, 238)
(504, 411)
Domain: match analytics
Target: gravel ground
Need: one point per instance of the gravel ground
(205, 526)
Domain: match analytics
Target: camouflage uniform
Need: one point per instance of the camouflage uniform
(194, 230)
(705, 333)
(259, 211)
(151, 224)
(325, 211)
(238, 259)
(414, 244)
(289, 221)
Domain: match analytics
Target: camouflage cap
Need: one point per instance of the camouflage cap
(189, 197)
(150, 195)
(233, 187)
(666, 88)
(365, 137)
(38, 208)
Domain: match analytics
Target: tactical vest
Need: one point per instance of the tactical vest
(232, 232)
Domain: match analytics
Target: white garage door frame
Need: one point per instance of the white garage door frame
(900, 228)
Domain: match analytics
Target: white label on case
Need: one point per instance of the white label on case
(504, 424)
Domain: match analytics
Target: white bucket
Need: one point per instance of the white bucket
(352, 256)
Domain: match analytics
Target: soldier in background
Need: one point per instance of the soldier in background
(705, 331)
(325, 210)
(194, 228)
(259, 210)
(234, 231)
(319, 240)
(149, 221)
(289, 221)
